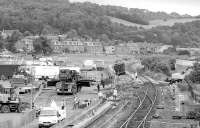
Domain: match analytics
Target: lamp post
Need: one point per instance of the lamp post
(32, 79)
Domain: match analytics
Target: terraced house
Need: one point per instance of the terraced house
(93, 47)
(65, 45)
(26, 44)
(121, 49)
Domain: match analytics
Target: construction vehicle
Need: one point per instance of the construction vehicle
(119, 68)
(67, 82)
(9, 99)
(22, 81)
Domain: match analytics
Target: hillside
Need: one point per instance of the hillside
(153, 23)
(89, 20)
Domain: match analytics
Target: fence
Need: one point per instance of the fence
(26, 119)
(23, 120)
(6, 124)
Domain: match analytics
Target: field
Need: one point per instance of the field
(154, 23)
(78, 59)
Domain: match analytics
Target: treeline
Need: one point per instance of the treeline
(159, 64)
(91, 21)
(40, 45)
(180, 34)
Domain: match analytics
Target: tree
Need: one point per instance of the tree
(194, 75)
(72, 33)
(27, 33)
(104, 38)
(170, 50)
(11, 41)
(1, 44)
(155, 64)
(42, 45)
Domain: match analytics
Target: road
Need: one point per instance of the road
(49, 94)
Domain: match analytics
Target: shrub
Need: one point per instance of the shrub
(184, 52)
(156, 65)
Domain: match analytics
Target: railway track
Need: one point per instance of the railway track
(138, 118)
(105, 119)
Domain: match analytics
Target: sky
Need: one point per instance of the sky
(191, 7)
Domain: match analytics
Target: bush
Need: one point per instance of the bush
(170, 50)
(194, 75)
(156, 65)
(184, 52)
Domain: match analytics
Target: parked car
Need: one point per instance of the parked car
(156, 116)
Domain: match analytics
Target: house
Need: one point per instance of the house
(121, 49)
(69, 45)
(52, 37)
(26, 44)
(93, 47)
(133, 48)
(7, 33)
(147, 48)
(74, 46)
(109, 49)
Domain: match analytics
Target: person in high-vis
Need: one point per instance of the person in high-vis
(115, 94)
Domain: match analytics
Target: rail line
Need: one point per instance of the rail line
(113, 116)
(104, 120)
(109, 116)
(141, 123)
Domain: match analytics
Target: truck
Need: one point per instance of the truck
(67, 82)
(49, 116)
(50, 73)
(22, 82)
(119, 68)
(9, 99)
(7, 70)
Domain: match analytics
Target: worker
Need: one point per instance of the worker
(98, 87)
(100, 95)
(136, 76)
(76, 102)
(115, 94)
(3, 77)
(63, 105)
(103, 83)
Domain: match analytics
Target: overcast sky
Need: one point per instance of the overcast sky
(191, 7)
